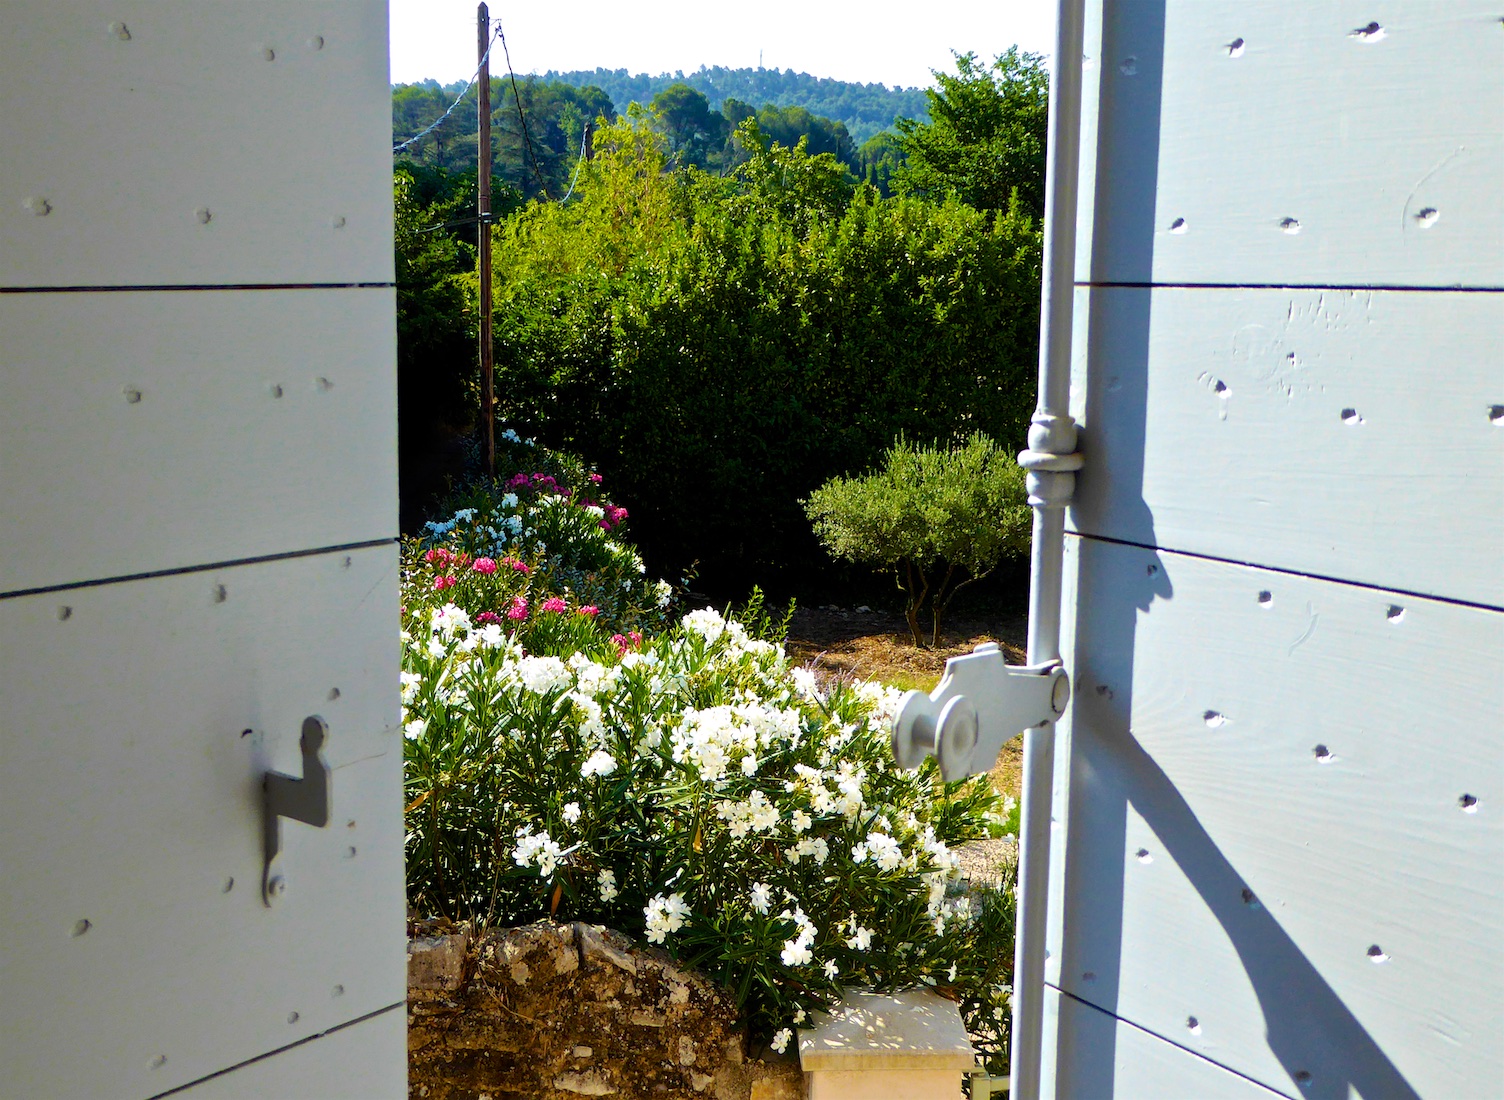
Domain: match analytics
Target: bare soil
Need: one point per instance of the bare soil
(876, 645)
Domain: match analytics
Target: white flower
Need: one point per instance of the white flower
(410, 682)
(804, 684)
(571, 812)
(601, 762)
(761, 896)
(592, 720)
(706, 623)
(950, 975)
(780, 1041)
(749, 765)
(492, 636)
(664, 915)
(801, 821)
(809, 846)
(415, 729)
(537, 848)
(540, 675)
(860, 938)
(831, 969)
(884, 851)
(796, 952)
(607, 883)
(800, 1016)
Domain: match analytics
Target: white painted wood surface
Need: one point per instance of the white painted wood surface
(1325, 432)
(130, 799)
(361, 1061)
(1331, 749)
(1104, 1057)
(1275, 842)
(1265, 142)
(151, 431)
(153, 142)
(173, 144)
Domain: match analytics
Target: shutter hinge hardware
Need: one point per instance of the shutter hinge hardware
(980, 702)
(308, 800)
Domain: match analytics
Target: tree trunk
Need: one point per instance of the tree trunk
(915, 599)
(937, 607)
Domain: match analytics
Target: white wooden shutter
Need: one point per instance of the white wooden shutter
(1281, 800)
(197, 523)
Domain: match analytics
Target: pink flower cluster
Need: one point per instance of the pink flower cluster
(485, 565)
(518, 610)
(554, 604)
(624, 642)
(544, 483)
(588, 609)
(613, 517)
(441, 583)
(488, 617)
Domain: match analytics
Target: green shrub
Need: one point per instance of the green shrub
(720, 347)
(940, 518)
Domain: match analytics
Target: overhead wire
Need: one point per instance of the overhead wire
(527, 138)
(460, 98)
(584, 136)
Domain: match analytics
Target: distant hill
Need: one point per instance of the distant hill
(864, 108)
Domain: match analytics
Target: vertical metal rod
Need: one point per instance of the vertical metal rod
(483, 210)
(1051, 461)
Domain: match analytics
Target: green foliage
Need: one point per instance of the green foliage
(693, 131)
(941, 518)
(533, 163)
(721, 346)
(878, 158)
(861, 109)
(986, 138)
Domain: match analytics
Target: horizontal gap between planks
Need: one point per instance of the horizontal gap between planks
(191, 286)
(1291, 572)
(1092, 285)
(279, 1050)
(1155, 1035)
(284, 556)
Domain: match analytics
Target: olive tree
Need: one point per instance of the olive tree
(940, 518)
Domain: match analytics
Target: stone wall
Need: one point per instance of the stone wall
(559, 1011)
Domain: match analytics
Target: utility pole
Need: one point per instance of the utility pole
(483, 211)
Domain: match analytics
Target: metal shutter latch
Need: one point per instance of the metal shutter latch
(308, 800)
(980, 702)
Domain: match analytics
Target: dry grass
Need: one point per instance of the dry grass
(877, 646)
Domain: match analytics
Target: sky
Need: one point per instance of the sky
(879, 40)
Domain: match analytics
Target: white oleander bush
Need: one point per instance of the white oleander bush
(695, 790)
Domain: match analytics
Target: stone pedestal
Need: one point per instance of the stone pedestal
(899, 1046)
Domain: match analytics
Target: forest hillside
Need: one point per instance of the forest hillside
(864, 109)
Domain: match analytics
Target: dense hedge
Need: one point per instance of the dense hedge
(719, 347)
